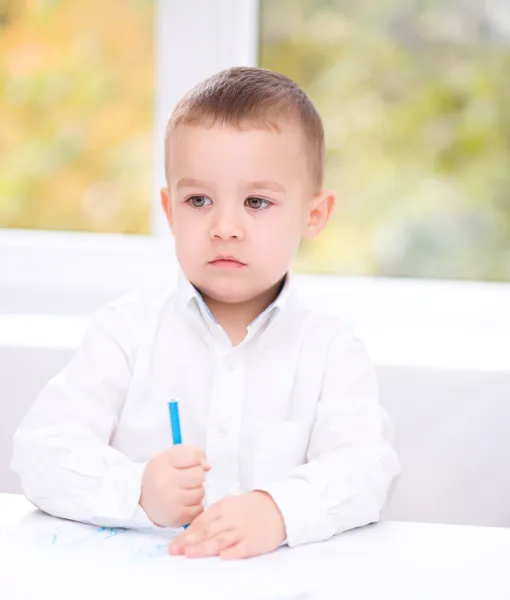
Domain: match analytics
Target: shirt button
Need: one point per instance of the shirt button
(222, 430)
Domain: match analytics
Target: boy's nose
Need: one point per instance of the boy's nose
(226, 226)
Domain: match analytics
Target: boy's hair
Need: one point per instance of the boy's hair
(250, 96)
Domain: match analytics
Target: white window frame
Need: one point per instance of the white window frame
(59, 272)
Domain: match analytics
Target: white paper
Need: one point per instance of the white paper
(55, 558)
(43, 557)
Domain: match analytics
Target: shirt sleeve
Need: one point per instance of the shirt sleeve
(61, 450)
(350, 461)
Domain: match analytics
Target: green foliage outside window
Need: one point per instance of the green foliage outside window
(76, 114)
(415, 97)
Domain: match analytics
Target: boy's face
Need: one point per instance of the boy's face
(238, 203)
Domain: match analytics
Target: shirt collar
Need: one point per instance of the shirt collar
(277, 306)
(189, 298)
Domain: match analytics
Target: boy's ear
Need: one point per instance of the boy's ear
(166, 203)
(321, 209)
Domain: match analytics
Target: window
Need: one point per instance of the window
(375, 232)
(415, 98)
(76, 115)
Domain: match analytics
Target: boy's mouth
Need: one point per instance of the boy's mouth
(227, 262)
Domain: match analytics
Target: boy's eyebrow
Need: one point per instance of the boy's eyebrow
(267, 185)
(192, 182)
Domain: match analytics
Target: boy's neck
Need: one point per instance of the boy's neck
(235, 318)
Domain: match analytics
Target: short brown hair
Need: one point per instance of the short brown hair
(253, 96)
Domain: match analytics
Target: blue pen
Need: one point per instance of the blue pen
(175, 424)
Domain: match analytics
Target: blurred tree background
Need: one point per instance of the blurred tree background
(76, 114)
(415, 98)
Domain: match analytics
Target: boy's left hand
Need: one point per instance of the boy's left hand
(235, 527)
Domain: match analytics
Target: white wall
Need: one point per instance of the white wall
(23, 372)
(452, 433)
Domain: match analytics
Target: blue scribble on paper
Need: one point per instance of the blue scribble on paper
(135, 547)
(61, 539)
(155, 552)
(111, 531)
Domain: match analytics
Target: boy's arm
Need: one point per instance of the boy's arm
(351, 463)
(61, 450)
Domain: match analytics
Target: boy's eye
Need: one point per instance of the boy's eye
(199, 201)
(256, 203)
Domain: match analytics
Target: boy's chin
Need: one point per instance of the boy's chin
(230, 292)
(227, 296)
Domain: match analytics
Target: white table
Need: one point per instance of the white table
(43, 557)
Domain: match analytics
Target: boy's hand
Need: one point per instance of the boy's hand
(173, 486)
(235, 527)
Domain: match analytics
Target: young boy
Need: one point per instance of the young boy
(284, 439)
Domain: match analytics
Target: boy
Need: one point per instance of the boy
(284, 439)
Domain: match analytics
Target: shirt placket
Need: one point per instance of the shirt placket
(224, 423)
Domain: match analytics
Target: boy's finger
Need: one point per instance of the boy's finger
(184, 457)
(191, 478)
(213, 546)
(236, 551)
(178, 544)
(176, 547)
(193, 496)
(198, 524)
(207, 531)
(192, 513)
(194, 524)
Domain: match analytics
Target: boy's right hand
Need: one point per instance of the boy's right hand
(173, 486)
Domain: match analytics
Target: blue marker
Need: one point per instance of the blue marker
(175, 424)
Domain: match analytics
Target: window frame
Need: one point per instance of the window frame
(49, 272)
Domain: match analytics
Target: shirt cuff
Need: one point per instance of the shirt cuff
(305, 516)
(120, 502)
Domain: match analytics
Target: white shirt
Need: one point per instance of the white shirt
(292, 410)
